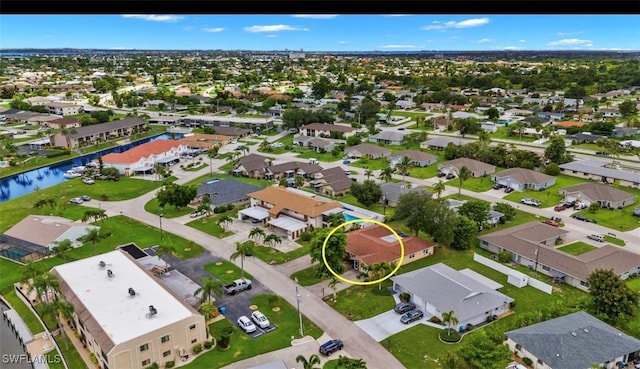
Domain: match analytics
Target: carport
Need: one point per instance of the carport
(292, 226)
(254, 212)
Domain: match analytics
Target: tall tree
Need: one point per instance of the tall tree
(480, 352)
(272, 240)
(257, 234)
(611, 297)
(177, 195)
(368, 173)
(464, 233)
(243, 249)
(556, 150)
(386, 174)
(224, 221)
(380, 270)
(333, 284)
(93, 236)
(62, 247)
(367, 193)
(439, 188)
(476, 210)
(309, 363)
(165, 250)
(207, 288)
(449, 319)
(463, 174)
(404, 166)
(335, 251)
(412, 209)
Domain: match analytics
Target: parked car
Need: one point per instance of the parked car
(246, 324)
(441, 174)
(345, 162)
(400, 128)
(596, 237)
(580, 217)
(579, 206)
(87, 180)
(411, 316)
(497, 186)
(560, 207)
(550, 222)
(260, 319)
(530, 202)
(330, 347)
(636, 211)
(404, 306)
(450, 176)
(76, 200)
(85, 198)
(196, 213)
(508, 189)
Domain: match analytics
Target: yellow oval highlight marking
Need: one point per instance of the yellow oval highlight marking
(361, 283)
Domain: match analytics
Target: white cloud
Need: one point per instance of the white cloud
(316, 16)
(570, 33)
(343, 42)
(271, 36)
(523, 40)
(485, 40)
(155, 17)
(273, 28)
(213, 30)
(511, 48)
(474, 22)
(395, 46)
(570, 42)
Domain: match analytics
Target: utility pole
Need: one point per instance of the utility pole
(298, 299)
(161, 215)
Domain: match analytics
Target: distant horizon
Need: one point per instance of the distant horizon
(322, 32)
(326, 51)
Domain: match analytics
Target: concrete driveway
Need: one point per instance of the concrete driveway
(384, 325)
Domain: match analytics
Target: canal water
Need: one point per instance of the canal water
(30, 181)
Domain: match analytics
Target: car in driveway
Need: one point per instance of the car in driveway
(596, 237)
(450, 176)
(411, 316)
(260, 319)
(246, 324)
(441, 174)
(530, 202)
(497, 186)
(580, 217)
(76, 200)
(195, 214)
(508, 189)
(85, 198)
(560, 207)
(404, 306)
(551, 223)
(330, 347)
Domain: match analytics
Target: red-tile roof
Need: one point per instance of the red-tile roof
(366, 245)
(569, 123)
(143, 151)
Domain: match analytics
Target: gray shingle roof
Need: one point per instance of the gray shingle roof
(525, 176)
(392, 191)
(574, 341)
(444, 141)
(599, 192)
(597, 167)
(228, 191)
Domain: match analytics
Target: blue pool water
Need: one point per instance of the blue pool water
(348, 217)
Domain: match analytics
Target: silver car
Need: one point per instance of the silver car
(411, 316)
(246, 324)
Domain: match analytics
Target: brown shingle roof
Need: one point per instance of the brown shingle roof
(367, 149)
(599, 192)
(414, 155)
(282, 198)
(522, 175)
(471, 164)
(328, 127)
(254, 162)
(107, 127)
(366, 245)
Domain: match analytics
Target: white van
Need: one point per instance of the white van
(313, 161)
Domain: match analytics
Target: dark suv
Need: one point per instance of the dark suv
(330, 347)
(403, 307)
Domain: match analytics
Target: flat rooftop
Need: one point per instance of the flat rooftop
(121, 316)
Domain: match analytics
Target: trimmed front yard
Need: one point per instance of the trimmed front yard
(577, 248)
(209, 224)
(549, 196)
(620, 220)
(226, 271)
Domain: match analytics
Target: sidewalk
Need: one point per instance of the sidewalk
(83, 352)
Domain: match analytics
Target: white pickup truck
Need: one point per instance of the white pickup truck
(237, 286)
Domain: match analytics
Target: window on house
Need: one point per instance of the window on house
(166, 353)
(518, 347)
(194, 340)
(146, 362)
(192, 326)
(544, 267)
(411, 256)
(144, 347)
(164, 339)
(425, 251)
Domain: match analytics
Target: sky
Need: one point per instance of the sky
(322, 32)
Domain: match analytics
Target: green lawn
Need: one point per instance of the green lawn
(410, 114)
(167, 212)
(307, 277)
(243, 346)
(13, 211)
(615, 241)
(549, 196)
(272, 256)
(326, 157)
(23, 310)
(481, 184)
(620, 220)
(226, 271)
(577, 248)
(349, 301)
(503, 133)
(71, 355)
(209, 225)
(634, 283)
(257, 182)
(373, 164)
(26, 164)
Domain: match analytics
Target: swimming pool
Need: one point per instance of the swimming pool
(348, 217)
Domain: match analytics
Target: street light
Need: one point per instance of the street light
(537, 253)
(299, 298)
(161, 215)
(384, 202)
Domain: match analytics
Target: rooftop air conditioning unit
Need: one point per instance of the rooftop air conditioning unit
(109, 274)
(152, 311)
(132, 292)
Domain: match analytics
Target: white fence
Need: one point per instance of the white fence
(508, 271)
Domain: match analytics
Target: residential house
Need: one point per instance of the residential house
(202, 141)
(256, 124)
(288, 212)
(521, 179)
(64, 109)
(227, 191)
(552, 116)
(493, 218)
(585, 137)
(392, 191)
(389, 137)
(320, 144)
(95, 133)
(405, 104)
(569, 124)
(533, 245)
(610, 113)
(60, 123)
(167, 120)
(332, 182)
(124, 315)
(624, 131)
(376, 244)
(477, 168)
(236, 132)
(441, 142)
(573, 341)
(416, 157)
(40, 100)
(489, 127)
(369, 150)
(252, 165)
(603, 195)
(37, 235)
(143, 159)
(439, 289)
(442, 123)
(291, 169)
(327, 130)
(602, 171)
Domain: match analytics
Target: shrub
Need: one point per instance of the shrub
(552, 169)
(512, 304)
(504, 256)
(450, 335)
(169, 364)
(230, 207)
(208, 344)
(104, 197)
(306, 236)
(224, 341)
(219, 209)
(527, 361)
(227, 331)
(153, 366)
(197, 348)
(435, 319)
(405, 296)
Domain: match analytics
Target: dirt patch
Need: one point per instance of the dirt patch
(187, 249)
(275, 309)
(229, 271)
(253, 307)
(218, 263)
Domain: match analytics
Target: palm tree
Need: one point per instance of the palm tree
(208, 287)
(484, 138)
(256, 234)
(59, 307)
(44, 284)
(61, 247)
(272, 240)
(404, 166)
(242, 249)
(206, 309)
(333, 284)
(380, 270)
(450, 320)
(309, 363)
(368, 173)
(95, 214)
(44, 202)
(439, 188)
(165, 250)
(299, 181)
(93, 236)
(224, 221)
(30, 271)
(386, 174)
(463, 175)
(450, 361)
(212, 153)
